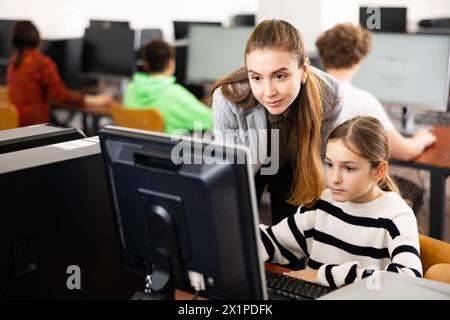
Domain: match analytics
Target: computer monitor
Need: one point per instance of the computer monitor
(243, 20)
(109, 24)
(185, 219)
(6, 47)
(108, 52)
(215, 52)
(145, 36)
(181, 28)
(36, 136)
(57, 237)
(407, 70)
(67, 55)
(391, 19)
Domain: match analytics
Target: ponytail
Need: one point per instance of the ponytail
(25, 35)
(19, 58)
(388, 184)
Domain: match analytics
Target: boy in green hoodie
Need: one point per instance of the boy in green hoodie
(157, 90)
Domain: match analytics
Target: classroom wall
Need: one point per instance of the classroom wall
(313, 17)
(68, 18)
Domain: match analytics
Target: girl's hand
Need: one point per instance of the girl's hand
(305, 274)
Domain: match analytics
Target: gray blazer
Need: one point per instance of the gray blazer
(241, 125)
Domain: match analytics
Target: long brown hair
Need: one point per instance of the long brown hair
(305, 139)
(25, 35)
(367, 137)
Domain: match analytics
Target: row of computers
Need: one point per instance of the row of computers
(394, 71)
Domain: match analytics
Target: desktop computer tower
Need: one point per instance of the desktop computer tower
(56, 217)
(35, 136)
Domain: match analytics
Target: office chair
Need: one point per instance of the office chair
(435, 257)
(4, 97)
(9, 116)
(145, 119)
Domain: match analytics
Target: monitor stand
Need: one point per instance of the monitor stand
(110, 84)
(167, 292)
(408, 126)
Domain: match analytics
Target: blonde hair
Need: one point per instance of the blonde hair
(305, 140)
(367, 137)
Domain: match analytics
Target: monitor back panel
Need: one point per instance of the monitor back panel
(36, 136)
(56, 216)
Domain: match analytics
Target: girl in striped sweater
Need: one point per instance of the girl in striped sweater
(359, 225)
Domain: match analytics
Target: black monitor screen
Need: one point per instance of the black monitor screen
(181, 28)
(108, 24)
(6, 47)
(391, 19)
(244, 20)
(146, 36)
(187, 218)
(67, 54)
(108, 51)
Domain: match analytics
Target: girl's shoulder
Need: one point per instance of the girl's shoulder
(396, 204)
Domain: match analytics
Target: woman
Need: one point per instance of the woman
(34, 82)
(277, 89)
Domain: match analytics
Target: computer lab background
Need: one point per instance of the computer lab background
(68, 19)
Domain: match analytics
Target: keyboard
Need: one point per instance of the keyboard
(282, 287)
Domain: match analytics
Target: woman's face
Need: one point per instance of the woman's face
(275, 78)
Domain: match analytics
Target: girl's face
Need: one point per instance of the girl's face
(351, 177)
(275, 78)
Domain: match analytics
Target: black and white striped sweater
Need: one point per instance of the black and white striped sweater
(345, 241)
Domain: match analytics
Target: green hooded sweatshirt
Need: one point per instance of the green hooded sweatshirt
(179, 107)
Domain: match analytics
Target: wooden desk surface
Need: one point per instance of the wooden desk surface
(437, 155)
(182, 295)
(435, 159)
(101, 111)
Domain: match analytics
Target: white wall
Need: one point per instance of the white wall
(68, 18)
(310, 17)
(313, 17)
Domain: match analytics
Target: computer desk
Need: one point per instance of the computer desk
(436, 160)
(383, 285)
(93, 114)
(183, 295)
(90, 117)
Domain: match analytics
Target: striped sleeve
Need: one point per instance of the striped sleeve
(286, 242)
(336, 276)
(403, 247)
